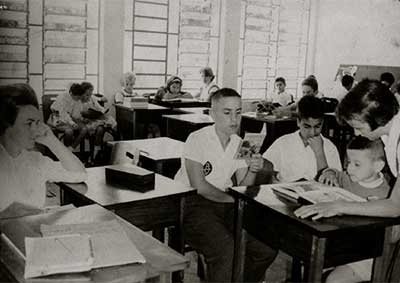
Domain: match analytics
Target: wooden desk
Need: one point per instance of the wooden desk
(161, 155)
(128, 119)
(318, 244)
(154, 210)
(161, 261)
(184, 102)
(180, 126)
(276, 127)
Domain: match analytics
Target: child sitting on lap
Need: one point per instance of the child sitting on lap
(366, 159)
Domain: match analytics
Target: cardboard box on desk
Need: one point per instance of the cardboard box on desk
(130, 177)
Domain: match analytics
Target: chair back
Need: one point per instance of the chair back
(330, 104)
(47, 101)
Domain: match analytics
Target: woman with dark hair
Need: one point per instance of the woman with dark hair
(209, 85)
(24, 171)
(372, 110)
(172, 90)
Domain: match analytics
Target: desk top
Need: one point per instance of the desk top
(196, 110)
(192, 118)
(159, 257)
(106, 195)
(323, 228)
(182, 102)
(267, 118)
(157, 149)
(150, 107)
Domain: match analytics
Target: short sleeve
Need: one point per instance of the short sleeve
(53, 171)
(119, 98)
(192, 149)
(273, 155)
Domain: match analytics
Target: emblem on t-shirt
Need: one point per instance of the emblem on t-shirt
(207, 168)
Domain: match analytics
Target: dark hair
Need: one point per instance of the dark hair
(310, 107)
(222, 93)
(347, 80)
(86, 85)
(362, 143)
(11, 97)
(387, 77)
(311, 81)
(369, 101)
(208, 72)
(280, 79)
(173, 80)
(76, 89)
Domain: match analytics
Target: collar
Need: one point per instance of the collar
(373, 184)
(232, 138)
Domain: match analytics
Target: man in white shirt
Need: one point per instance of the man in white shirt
(209, 165)
(304, 153)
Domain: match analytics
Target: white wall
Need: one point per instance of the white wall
(356, 32)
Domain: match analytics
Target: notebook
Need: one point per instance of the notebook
(250, 145)
(57, 254)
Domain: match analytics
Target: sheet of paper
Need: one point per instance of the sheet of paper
(111, 245)
(57, 254)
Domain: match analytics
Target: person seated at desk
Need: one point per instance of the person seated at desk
(280, 97)
(304, 153)
(24, 171)
(209, 86)
(172, 90)
(309, 86)
(209, 165)
(127, 83)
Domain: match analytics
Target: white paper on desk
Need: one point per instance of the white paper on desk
(111, 245)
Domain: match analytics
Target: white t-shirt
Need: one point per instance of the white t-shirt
(219, 165)
(23, 178)
(283, 98)
(294, 161)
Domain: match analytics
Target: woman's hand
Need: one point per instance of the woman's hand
(44, 135)
(328, 177)
(256, 163)
(321, 210)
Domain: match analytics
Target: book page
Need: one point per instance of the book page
(111, 245)
(251, 144)
(57, 254)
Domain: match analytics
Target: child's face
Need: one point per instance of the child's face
(175, 88)
(280, 86)
(361, 165)
(129, 85)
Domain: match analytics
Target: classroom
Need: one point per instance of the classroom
(193, 141)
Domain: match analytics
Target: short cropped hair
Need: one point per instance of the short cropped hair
(280, 79)
(76, 89)
(347, 80)
(375, 147)
(222, 93)
(310, 107)
(11, 97)
(369, 101)
(387, 77)
(311, 81)
(86, 85)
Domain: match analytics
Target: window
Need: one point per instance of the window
(274, 42)
(169, 37)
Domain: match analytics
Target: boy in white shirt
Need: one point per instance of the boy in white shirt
(280, 97)
(209, 165)
(304, 153)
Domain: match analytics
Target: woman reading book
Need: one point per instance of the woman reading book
(23, 170)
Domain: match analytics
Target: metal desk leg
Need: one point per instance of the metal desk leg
(381, 264)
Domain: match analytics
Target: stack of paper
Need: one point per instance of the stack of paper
(59, 254)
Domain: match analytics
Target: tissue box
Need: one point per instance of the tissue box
(130, 177)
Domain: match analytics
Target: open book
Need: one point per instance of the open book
(250, 145)
(57, 254)
(312, 192)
